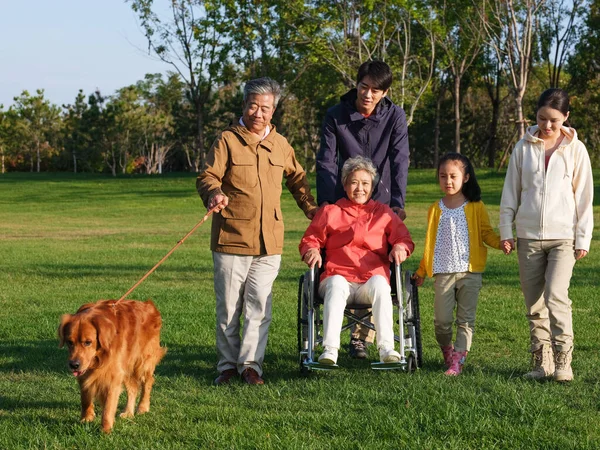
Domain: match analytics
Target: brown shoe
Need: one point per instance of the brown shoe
(225, 377)
(251, 376)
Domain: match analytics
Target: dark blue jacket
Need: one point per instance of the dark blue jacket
(382, 137)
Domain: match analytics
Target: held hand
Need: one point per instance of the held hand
(311, 214)
(508, 246)
(580, 254)
(418, 280)
(312, 257)
(399, 212)
(398, 254)
(219, 200)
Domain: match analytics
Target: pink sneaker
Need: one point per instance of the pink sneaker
(458, 360)
(447, 352)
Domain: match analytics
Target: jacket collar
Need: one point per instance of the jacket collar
(531, 135)
(348, 100)
(251, 139)
(354, 209)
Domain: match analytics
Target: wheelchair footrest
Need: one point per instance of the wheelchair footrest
(315, 365)
(388, 366)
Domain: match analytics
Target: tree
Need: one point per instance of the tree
(461, 39)
(346, 33)
(559, 25)
(510, 26)
(76, 136)
(157, 124)
(3, 136)
(41, 121)
(583, 68)
(191, 41)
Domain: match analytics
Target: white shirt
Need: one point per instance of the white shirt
(267, 130)
(451, 252)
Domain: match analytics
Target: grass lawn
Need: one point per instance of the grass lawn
(70, 239)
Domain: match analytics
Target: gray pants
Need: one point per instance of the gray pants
(545, 268)
(243, 289)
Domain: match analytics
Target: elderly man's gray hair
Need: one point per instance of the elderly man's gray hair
(262, 86)
(359, 163)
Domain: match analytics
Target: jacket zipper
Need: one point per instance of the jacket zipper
(544, 170)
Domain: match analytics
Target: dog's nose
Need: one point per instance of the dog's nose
(74, 364)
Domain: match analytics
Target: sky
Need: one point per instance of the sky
(62, 46)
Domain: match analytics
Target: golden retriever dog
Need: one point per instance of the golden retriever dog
(112, 344)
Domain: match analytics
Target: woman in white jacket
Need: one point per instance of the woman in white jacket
(547, 194)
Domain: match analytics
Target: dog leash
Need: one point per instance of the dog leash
(167, 255)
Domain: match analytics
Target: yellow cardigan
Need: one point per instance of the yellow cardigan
(480, 231)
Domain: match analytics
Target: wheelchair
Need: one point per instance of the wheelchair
(405, 299)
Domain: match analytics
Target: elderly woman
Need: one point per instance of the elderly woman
(356, 233)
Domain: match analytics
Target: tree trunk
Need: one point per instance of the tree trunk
(436, 128)
(519, 112)
(493, 141)
(494, 93)
(457, 114)
(199, 161)
(38, 156)
(74, 162)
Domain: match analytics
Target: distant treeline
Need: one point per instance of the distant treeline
(466, 72)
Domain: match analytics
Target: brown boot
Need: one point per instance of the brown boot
(543, 363)
(562, 362)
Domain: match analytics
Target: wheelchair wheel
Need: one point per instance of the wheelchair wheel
(302, 327)
(414, 317)
(411, 364)
(417, 322)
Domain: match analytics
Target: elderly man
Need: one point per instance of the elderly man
(365, 123)
(242, 179)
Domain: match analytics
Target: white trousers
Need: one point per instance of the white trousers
(243, 289)
(338, 292)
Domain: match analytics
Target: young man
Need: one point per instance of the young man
(365, 123)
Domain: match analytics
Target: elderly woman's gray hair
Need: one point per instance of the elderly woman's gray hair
(359, 163)
(262, 86)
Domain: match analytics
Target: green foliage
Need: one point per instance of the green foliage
(455, 86)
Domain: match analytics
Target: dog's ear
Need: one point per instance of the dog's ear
(64, 320)
(105, 330)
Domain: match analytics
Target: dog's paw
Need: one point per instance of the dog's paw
(143, 408)
(126, 415)
(88, 418)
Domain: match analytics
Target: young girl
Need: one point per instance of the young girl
(457, 227)
(548, 193)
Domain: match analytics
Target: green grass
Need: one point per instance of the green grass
(66, 240)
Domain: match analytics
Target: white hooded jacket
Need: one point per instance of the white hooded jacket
(548, 204)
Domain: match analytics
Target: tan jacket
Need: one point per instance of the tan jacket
(249, 171)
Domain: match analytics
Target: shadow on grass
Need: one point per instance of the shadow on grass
(12, 404)
(30, 356)
(286, 367)
(195, 361)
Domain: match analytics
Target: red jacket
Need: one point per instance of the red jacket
(357, 239)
